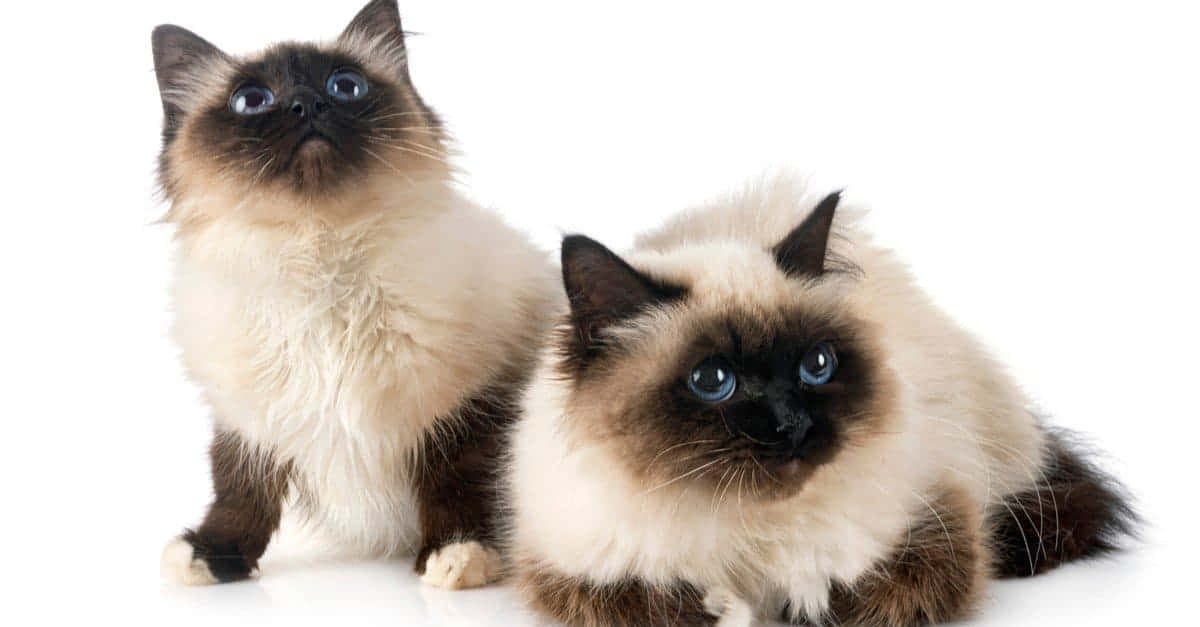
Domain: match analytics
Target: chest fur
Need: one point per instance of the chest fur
(320, 356)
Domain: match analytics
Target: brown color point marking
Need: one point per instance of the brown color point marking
(250, 489)
(458, 474)
(629, 603)
(935, 576)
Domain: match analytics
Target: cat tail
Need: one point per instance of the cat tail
(1076, 511)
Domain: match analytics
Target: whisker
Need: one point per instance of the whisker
(389, 164)
(685, 475)
(410, 149)
(671, 448)
(396, 115)
(945, 529)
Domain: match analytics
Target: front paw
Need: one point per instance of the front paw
(730, 610)
(180, 565)
(461, 565)
(191, 561)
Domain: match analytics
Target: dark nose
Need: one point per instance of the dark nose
(793, 427)
(790, 421)
(306, 103)
(783, 419)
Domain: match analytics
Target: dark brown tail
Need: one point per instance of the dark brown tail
(1076, 512)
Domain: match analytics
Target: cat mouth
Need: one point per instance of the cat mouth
(311, 137)
(313, 146)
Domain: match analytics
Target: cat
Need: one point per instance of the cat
(359, 328)
(756, 414)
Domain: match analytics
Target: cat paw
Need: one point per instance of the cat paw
(730, 610)
(181, 566)
(197, 560)
(462, 565)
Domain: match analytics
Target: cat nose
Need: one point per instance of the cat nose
(795, 428)
(792, 421)
(308, 103)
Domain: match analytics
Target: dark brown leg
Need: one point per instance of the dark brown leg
(935, 576)
(630, 603)
(458, 478)
(249, 489)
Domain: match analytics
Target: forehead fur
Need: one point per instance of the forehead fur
(726, 272)
(204, 82)
(376, 51)
(729, 286)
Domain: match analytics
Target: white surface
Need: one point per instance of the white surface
(1037, 164)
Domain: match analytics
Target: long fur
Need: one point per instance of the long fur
(957, 424)
(347, 333)
(340, 347)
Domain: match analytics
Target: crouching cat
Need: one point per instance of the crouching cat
(360, 330)
(757, 413)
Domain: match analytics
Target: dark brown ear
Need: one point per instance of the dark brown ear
(380, 18)
(603, 289)
(802, 252)
(178, 53)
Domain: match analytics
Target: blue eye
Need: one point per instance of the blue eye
(346, 86)
(712, 380)
(818, 365)
(251, 100)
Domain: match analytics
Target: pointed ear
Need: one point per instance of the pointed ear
(603, 289)
(802, 252)
(178, 56)
(377, 26)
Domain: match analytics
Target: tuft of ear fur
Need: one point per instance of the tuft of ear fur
(377, 31)
(802, 252)
(181, 59)
(603, 289)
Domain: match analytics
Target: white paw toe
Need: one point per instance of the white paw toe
(179, 565)
(462, 565)
(730, 610)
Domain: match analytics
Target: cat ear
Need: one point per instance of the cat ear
(602, 288)
(377, 28)
(802, 252)
(179, 56)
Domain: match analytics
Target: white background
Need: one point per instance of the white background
(1035, 162)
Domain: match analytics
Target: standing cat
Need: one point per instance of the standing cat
(360, 329)
(746, 418)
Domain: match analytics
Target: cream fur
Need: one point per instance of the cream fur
(462, 565)
(337, 343)
(961, 421)
(732, 610)
(179, 565)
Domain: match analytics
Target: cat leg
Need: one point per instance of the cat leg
(1075, 511)
(629, 603)
(935, 575)
(457, 489)
(249, 490)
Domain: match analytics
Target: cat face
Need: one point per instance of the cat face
(693, 387)
(303, 121)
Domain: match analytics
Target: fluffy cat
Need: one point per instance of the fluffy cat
(754, 415)
(359, 329)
